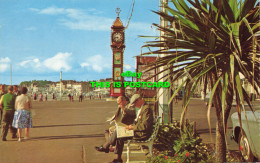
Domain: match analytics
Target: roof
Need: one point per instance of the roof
(144, 60)
(117, 23)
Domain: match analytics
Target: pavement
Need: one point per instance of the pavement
(67, 132)
(62, 131)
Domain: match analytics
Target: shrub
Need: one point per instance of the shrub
(176, 145)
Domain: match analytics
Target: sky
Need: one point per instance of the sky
(40, 38)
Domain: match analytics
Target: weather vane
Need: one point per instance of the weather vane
(118, 11)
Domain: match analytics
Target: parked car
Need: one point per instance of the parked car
(249, 140)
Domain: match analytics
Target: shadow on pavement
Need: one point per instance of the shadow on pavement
(68, 125)
(203, 131)
(213, 130)
(65, 137)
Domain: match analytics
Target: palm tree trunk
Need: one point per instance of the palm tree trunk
(220, 130)
(220, 135)
(220, 143)
(229, 101)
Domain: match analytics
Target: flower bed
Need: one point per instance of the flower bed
(175, 145)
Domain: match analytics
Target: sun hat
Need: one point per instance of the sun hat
(134, 98)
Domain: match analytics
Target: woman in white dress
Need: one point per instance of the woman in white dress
(22, 115)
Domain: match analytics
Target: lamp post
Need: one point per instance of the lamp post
(60, 85)
(163, 107)
(11, 74)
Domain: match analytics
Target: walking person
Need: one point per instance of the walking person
(53, 96)
(22, 117)
(69, 96)
(35, 97)
(2, 93)
(2, 90)
(16, 92)
(7, 101)
(41, 97)
(80, 97)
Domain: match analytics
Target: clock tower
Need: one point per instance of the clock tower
(117, 46)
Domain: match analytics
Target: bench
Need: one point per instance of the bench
(148, 142)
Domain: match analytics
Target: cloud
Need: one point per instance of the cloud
(88, 19)
(127, 66)
(49, 10)
(88, 24)
(97, 63)
(52, 11)
(95, 11)
(30, 29)
(35, 63)
(5, 60)
(56, 63)
(140, 26)
(84, 64)
(34, 9)
(4, 64)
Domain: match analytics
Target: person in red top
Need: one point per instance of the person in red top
(41, 97)
(35, 96)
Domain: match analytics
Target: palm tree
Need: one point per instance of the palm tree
(214, 43)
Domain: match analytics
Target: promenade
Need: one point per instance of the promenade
(61, 129)
(66, 132)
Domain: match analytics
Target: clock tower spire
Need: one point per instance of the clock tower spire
(118, 10)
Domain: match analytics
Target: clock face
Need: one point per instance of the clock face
(117, 37)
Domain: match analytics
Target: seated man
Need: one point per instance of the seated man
(124, 114)
(143, 127)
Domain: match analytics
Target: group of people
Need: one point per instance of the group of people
(41, 97)
(141, 124)
(15, 108)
